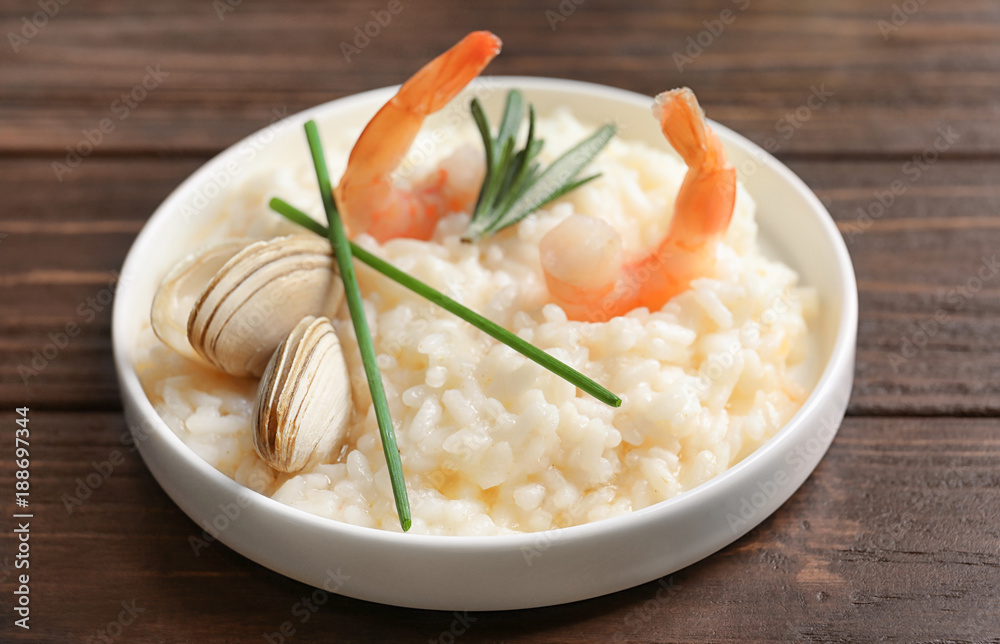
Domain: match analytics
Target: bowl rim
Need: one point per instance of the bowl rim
(841, 353)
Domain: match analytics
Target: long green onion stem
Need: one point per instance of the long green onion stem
(515, 342)
(342, 253)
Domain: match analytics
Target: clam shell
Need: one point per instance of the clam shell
(180, 289)
(304, 398)
(258, 297)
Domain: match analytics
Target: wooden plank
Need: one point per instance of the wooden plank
(893, 536)
(927, 268)
(892, 88)
(61, 248)
(112, 196)
(914, 263)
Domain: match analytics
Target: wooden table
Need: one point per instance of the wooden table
(894, 537)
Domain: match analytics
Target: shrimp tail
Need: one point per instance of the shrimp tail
(581, 257)
(440, 80)
(707, 197)
(367, 194)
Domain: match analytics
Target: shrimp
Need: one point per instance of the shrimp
(582, 257)
(367, 194)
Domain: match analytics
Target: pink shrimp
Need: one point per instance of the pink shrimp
(582, 256)
(367, 194)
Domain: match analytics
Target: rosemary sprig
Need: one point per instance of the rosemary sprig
(515, 342)
(513, 186)
(342, 253)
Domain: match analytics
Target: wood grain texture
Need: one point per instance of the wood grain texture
(891, 88)
(893, 538)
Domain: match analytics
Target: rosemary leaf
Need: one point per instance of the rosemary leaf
(557, 179)
(479, 116)
(513, 187)
(511, 121)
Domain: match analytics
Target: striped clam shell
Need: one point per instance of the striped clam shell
(246, 304)
(304, 398)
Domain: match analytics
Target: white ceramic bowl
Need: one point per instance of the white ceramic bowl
(499, 572)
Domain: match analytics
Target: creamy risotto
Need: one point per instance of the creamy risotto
(492, 443)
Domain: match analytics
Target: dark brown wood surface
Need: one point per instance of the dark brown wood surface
(895, 537)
